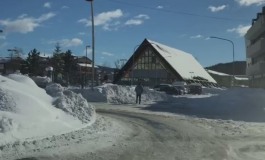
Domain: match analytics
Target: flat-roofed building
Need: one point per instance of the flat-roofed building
(255, 51)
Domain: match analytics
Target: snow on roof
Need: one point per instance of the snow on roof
(86, 65)
(4, 60)
(238, 77)
(241, 78)
(42, 55)
(217, 73)
(184, 63)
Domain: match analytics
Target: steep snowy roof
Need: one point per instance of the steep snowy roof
(184, 63)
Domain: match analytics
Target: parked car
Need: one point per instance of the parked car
(161, 87)
(195, 88)
(168, 88)
(182, 89)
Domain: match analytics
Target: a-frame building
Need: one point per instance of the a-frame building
(154, 63)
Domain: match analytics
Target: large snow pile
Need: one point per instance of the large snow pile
(27, 111)
(72, 103)
(54, 89)
(118, 94)
(41, 81)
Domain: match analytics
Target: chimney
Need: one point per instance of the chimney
(253, 21)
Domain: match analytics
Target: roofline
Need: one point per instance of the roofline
(136, 54)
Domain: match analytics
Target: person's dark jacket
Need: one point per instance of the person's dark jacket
(139, 89)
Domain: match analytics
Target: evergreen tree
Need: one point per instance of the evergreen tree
(58, 63)
(69, 65)
(33, 61)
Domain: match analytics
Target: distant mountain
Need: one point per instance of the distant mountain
(240, 68)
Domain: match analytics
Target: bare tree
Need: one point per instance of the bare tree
(119, 63)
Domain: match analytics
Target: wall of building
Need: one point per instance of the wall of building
(255, 51)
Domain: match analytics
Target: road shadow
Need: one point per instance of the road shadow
(239, 104)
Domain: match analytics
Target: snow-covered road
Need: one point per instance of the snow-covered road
(129, 134)
(160, 137)
(219, 124)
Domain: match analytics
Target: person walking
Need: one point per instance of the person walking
(139, 90)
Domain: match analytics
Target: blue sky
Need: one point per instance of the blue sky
(120, 25)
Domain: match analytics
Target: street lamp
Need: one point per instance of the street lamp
(12, 52)
(233, 53)
(87, 46)
(93, 43)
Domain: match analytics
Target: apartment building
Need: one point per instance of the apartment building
(255, 51)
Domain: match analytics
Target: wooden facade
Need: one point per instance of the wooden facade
(148, 66)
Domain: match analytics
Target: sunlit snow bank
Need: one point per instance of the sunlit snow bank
(41, 81)
(72, 103)
(27, 111)
(241, 104)
(118, 94)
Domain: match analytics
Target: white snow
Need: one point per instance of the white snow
(184, 63)
(217, 73)
(241, 78)
(238, 77)
(31, 120)
(26, 111)
(117, 94)
(86, 65)
(241, 104)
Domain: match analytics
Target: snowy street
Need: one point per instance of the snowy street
(122, 134)
(105, 123)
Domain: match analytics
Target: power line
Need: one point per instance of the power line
(176, 12)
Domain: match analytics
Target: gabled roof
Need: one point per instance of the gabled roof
(183, 63)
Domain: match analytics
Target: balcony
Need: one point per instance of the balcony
(256, 49)
(256, 29)
(256, 69)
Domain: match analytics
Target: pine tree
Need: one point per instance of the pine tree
(69, 65)
(33, 61)
(58, 63)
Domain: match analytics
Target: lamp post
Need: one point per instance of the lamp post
(233, 76)
(12, 51)
(87, 46)
(93, 43)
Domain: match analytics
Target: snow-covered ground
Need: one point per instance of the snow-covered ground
(238, 103)
(35, 122)
(27, 111)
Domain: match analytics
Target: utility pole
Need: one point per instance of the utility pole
(93, 43)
